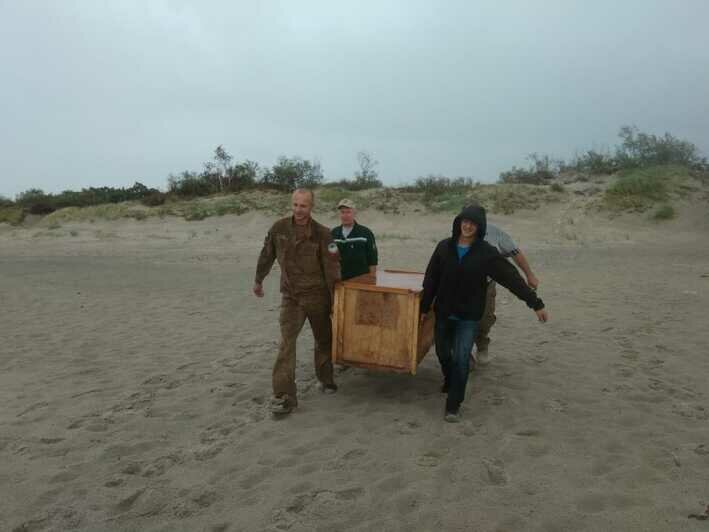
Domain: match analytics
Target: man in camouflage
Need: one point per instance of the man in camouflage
(310, 267)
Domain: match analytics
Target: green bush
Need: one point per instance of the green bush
(12, 215)
(220, 209)
(642, 150)
(137, 215)
(594, 163)
(541, 170)
(664, 212)
(196, 214)
(639, 188)
(289, 174)
(508, 199)
(557, 187)
(191, 185)
(366, 177)
(433, 185)
(637, 150)
(154, 199)
(37, 201)
(218, 176)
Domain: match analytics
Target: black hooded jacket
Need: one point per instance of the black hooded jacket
(459, 287)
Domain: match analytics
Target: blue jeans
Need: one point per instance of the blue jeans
(454, 341)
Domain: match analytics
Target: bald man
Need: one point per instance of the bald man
(310, 267)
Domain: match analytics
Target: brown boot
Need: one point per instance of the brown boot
(281, 406)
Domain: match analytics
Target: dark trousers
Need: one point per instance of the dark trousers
(482, 338)
(454, 340)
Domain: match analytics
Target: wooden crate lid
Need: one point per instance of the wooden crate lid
(397, 281)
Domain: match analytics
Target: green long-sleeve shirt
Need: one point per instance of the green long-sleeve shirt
(358, 251)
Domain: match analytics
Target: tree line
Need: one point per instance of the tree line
(223, 174)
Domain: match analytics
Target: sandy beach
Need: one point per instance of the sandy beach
(135, 373)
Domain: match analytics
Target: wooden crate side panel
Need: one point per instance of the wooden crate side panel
(414, 328)
(375, 328)
(336, 319)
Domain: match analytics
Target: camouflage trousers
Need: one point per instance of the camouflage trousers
(482, 340)
(314, 307)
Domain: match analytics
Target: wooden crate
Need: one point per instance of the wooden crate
(376, 322)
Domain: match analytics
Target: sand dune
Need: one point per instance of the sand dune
(135, 374)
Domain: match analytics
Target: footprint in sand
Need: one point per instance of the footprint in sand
(216, 432)
(653, 364)
(61, 518)
(205, 499)
(319, 503)
(624, 342)
(702, 450)
(64, 476)
(496, 473)
(430, 458)
(690, 411)
(252, 480)
(495, 398)
(529, 433)
(33, 407)
(556, 405)
(127, 503)
(630, 354)
(50, 441)
(354, 454)
(207, 452)
(162, 464)
(132, 468)
(136, 401)
(625, 371)
(408, 427)
(538, 359)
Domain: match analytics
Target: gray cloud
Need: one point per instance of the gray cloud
(106, 93)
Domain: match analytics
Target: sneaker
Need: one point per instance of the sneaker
(483, 357)
(280, 406)
(452, 417)
(328, 388)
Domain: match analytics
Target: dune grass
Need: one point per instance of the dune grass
(497, 198)
(664, 212)
(633, 190)
(12, 215)
(639, 189)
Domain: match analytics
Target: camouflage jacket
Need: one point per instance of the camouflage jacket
(306, 266)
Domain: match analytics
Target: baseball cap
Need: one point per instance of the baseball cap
(346, 203)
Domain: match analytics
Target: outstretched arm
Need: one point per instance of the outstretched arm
(521, 261)
(507, 275)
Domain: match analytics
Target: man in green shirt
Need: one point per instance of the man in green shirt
(355, 242)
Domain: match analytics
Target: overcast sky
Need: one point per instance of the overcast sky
(96, 93)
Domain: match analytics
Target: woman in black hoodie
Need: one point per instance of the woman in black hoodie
(456, 282)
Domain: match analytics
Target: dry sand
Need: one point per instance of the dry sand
(135, 375)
